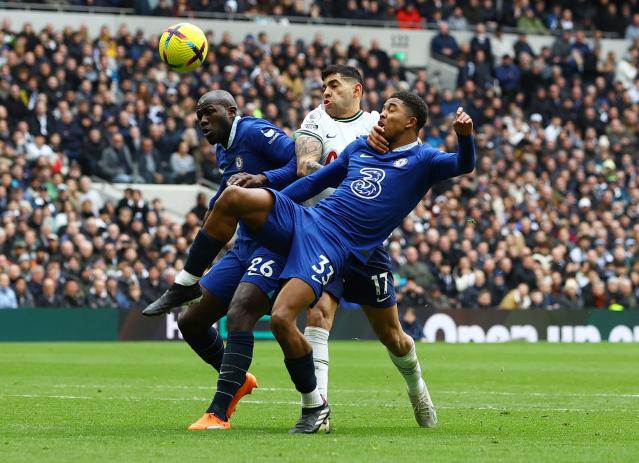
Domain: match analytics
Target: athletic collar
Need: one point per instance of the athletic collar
(233, 130)
(406, 147)
(349, 119)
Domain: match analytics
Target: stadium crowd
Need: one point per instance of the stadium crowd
(531, 16)
(549, 219)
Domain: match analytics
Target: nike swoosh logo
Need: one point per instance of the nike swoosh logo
(366, 156)
(382, 300)
(331, 136)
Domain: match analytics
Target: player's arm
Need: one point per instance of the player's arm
(448, 165)
(327, 177)
(308, 152)
(280, 150)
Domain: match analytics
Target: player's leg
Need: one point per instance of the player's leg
(252, 206)
(319, 320)
(251, 300)
(372, 286)
(401, 349)
(196, 326)
(298, 355)
(249, 304)
(218, 285)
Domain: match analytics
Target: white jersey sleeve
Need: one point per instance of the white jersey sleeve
(315, 125)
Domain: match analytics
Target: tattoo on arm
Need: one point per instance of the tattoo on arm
(312, 166)
(308, 151)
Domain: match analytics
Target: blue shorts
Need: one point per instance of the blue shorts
(313, 255)
(369, 284)
(246, 262)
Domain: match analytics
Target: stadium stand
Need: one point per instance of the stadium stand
(548, 221)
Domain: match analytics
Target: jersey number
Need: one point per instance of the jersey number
(376, 280)
(330, 158)
(264, 270)
(323, 272)
(370, 185)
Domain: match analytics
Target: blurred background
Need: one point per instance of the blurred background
(541, 241)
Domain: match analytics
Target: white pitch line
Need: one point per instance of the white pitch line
(372, 404)
(358, 391)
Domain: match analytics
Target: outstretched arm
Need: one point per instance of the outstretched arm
(311, 185)
(448, 165)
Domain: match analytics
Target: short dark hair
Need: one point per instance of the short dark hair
(343, 70)
(416, 105)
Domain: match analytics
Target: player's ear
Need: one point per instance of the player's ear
(358, 90)
(231, 111)
(411, 124)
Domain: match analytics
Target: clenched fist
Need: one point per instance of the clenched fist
(463, 124)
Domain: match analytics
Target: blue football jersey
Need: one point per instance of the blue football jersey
(374, 192)
(257, 147)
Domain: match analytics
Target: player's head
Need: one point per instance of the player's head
(403, 113)
(342, 90)
(216, 111)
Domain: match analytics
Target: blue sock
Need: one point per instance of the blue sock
(302, 372)
(202, 252)
(237, 359)
(208, 345)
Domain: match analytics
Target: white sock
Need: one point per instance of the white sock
(408, 367)
(318, 338)
(312, 399)
(184, 278)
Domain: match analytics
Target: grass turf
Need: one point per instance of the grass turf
(502, 402)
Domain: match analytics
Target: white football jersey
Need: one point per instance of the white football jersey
(335, 134)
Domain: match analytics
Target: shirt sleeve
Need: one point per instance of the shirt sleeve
(311, 185)
(448, 165)
(313, 126)
(273, 144)
(283, 176)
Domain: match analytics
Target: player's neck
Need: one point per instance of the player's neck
(347, 114)
(403, 140)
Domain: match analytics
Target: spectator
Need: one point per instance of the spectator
(632, 30)
(508, 75)
(570, 298)
(457, 21)
(72, 295)
(416, 270)
(408, 16)
(7, 295)
(517, 298)
(116, 162)
(531, 23)
(98, 296)
(23, 295)
(183, 165)
(443, 44)
(48, 297)
(410, 325)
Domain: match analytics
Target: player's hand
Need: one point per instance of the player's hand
(246, 180)
(463, 124)
(376, 139)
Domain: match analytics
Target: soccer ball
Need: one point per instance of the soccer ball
(183, 47)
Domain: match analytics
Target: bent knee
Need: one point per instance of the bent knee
(231, 196)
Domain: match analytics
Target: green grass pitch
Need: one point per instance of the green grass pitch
(132, 402)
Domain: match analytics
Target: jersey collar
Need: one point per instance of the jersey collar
(233, 130)
(357, 115)
(406, 147)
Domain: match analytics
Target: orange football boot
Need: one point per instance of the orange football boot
(209, 421)
(250, 383)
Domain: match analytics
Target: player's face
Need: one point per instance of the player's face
(395, 118)
(339, 95)
(215, 120)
